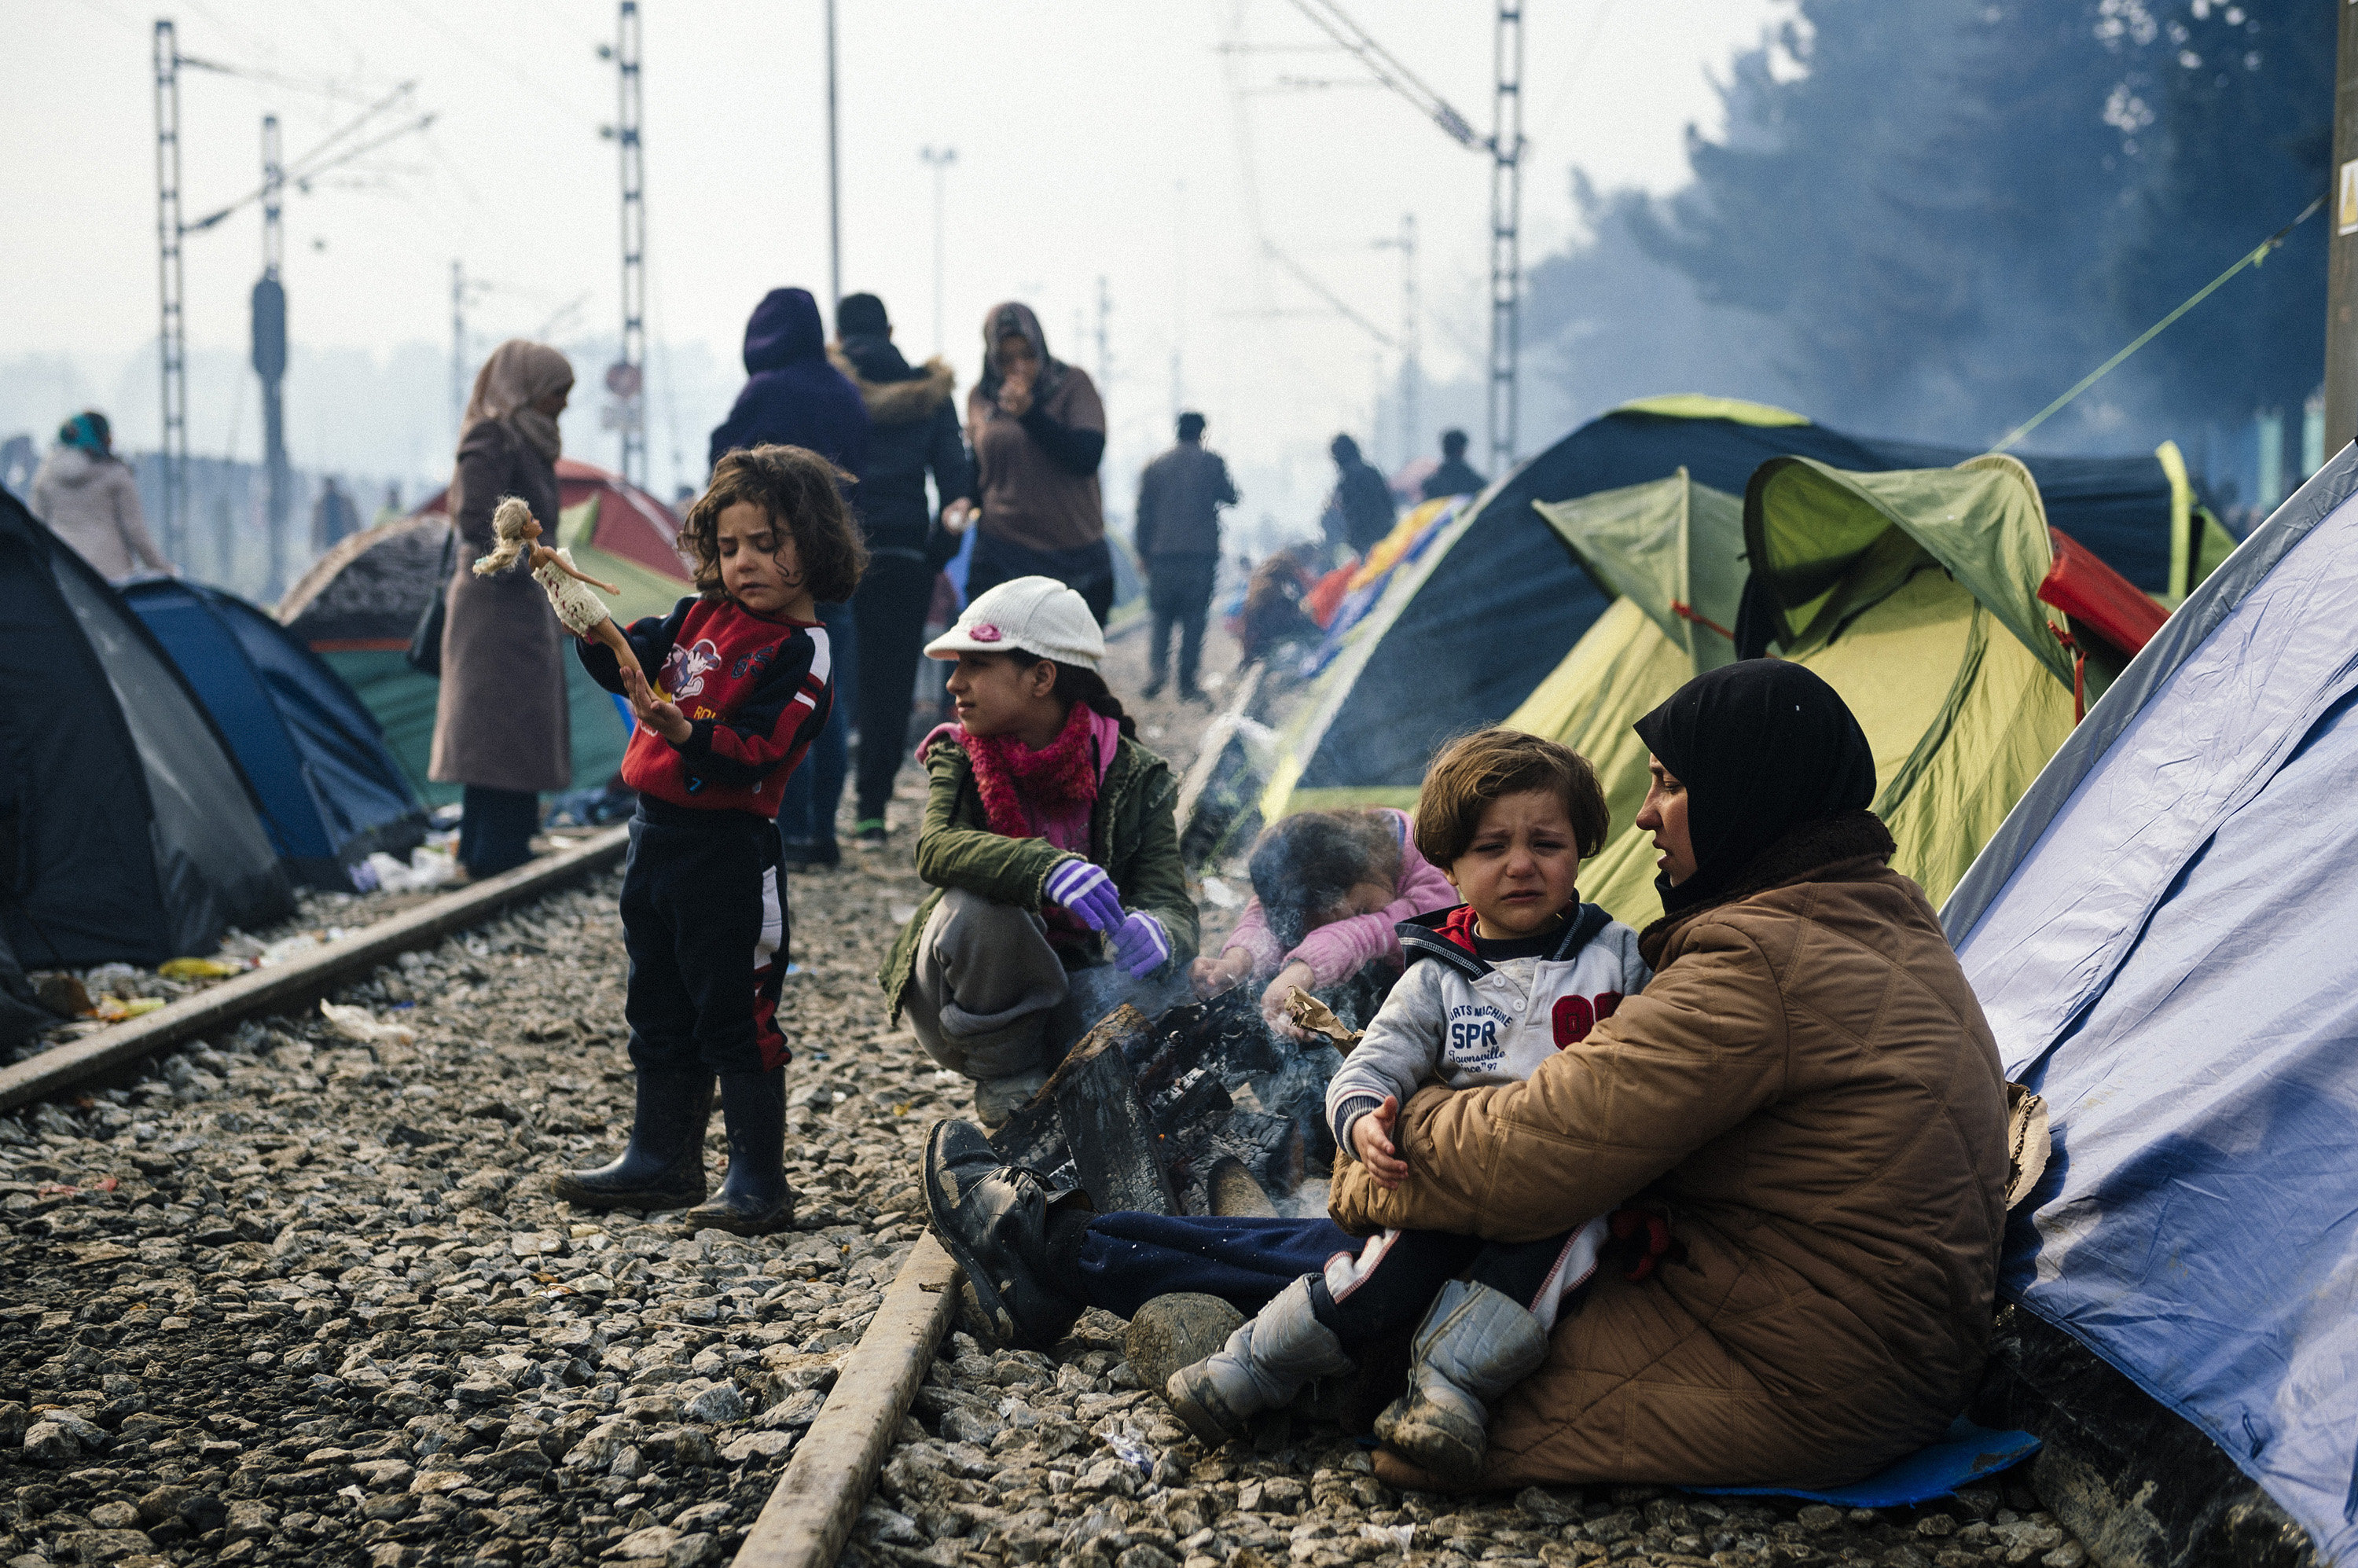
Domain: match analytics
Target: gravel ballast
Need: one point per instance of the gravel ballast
(296, 1296)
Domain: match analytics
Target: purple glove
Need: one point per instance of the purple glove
(1088, 892)
(1141, 945)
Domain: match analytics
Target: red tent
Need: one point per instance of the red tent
(631, 523)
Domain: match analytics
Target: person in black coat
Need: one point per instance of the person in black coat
(1363, 502)
(794, 398)
(1178, 537)
(1456, 476)
(913, 431)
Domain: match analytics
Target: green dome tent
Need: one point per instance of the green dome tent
(1927, 598)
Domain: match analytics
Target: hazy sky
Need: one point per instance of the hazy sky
(1153, 145)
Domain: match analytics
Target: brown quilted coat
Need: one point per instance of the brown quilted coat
(1809, 1092)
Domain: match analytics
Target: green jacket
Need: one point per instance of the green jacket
(1133, 834)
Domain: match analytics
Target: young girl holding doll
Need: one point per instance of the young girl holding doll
(743, 682)
(1050, 839)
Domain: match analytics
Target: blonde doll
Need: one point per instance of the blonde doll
(516, 531)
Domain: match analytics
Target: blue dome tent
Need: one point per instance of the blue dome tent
(2158, 935)
(331, 793)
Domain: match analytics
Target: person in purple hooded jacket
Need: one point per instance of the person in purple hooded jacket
(794, 398)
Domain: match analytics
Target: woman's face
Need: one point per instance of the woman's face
(554, 403)
(999, 696)
(1016, 360)
(1664, 816)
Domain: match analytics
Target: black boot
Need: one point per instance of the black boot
(663, 1167)
(753, 1199)
(994, 1219)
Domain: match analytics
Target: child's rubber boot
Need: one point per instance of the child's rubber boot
(753, 1199)
(1474, 1345)
(662, 1165)
(1262, 1368)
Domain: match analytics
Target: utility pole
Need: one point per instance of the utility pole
(1105, 355)
(834, 180)
(1505, 221)
(2341, 263)
(172, 339)
(1412, 369)
(938, 160)
(1505, 147)
(626, 378)
(1178, 295)
(270, 357)
(458, 349)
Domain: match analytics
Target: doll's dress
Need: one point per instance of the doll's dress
(575, 602)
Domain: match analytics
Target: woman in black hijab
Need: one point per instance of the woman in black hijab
(1744, 758)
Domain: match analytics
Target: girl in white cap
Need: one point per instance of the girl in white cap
(1050, 834)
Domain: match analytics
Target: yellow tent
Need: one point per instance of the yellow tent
(1914, 593)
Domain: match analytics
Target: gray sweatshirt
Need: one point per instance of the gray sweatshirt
(1455, 1017)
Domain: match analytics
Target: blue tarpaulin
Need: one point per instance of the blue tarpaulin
(2162, 937)
(1965, 1456)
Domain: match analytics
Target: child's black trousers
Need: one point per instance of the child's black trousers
(704, 921)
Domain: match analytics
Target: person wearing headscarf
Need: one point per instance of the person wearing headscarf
(1804, 1112)
(1798, 1129)
(90, 498)
(913, 430)
(500, 723)
(795, 397)
(1038, 429)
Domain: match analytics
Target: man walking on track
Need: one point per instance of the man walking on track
(1178, 536)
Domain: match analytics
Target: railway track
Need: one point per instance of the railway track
(273, 1293)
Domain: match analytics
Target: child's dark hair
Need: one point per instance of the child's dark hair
(1477, 769)
(1305, 864)
(801, 493)
(1075, 683)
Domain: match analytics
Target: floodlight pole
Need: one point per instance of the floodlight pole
(1411, 369)
(2341, 255)
(627, 379)
(1506, 220)
(172, 341)
(834, 180)
(938, 160)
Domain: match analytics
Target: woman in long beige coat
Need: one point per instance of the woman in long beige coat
(1806, 1093)
(500, 725)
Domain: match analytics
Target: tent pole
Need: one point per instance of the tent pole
(2342, 266)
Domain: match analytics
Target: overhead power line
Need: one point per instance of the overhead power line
(1330, 18)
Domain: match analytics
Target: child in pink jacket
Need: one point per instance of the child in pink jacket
(1329, 887)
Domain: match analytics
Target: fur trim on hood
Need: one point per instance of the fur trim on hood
(899, 402)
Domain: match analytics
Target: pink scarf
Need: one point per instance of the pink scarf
(1045, 794)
